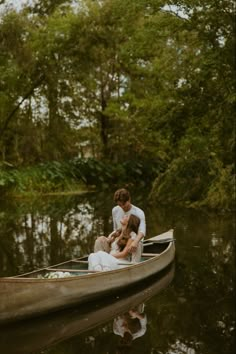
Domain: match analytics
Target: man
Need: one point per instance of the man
(131, 325)
(124, 207)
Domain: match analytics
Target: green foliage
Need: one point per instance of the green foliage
(183, 182)
(196, 182)
(221, 193)
(75, 174)
(44, 178)
(134, 86)
(106, 174)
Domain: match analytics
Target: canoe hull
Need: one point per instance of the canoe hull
(28, 297)
(43, 332)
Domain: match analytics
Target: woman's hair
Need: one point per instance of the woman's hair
(132, 226)
(133, 324)
(125, 342)
(133, 223)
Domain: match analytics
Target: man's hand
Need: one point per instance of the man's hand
(133, 246)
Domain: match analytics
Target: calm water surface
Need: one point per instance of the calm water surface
(189, 309)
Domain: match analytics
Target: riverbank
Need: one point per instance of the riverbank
(82, 176)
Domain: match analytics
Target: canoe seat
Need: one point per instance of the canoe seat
(149, 254)
(70, 270)
(144, 256)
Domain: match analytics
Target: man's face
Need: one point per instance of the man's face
(125, 206)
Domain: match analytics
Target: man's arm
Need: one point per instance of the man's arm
(141, 232)
(134, 244)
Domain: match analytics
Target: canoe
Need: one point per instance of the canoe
(40, 291)
(41, 333)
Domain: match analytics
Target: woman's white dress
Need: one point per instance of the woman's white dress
(103, 261)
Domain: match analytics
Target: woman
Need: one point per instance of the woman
(117, 246)
(131, 325)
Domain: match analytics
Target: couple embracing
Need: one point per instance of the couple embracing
(124, 244)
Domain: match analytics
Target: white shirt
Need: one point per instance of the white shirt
(119, 329)
(118, 213)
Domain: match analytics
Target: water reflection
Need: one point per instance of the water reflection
(33, 335)
(196, 314)
(130, 326)
(48, 232)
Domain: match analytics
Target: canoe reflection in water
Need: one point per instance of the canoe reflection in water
(40, 333)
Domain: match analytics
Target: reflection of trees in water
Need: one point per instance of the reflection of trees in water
(199, 318)
(47, 234)
(193, 315)
(9, 253)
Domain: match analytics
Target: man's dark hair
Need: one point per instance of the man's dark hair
(121, 195)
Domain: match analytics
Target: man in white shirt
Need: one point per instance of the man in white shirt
(133, 323)
(124, 207)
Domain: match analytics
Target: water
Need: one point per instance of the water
(190, 309)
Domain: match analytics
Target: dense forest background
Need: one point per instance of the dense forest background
(111, 92)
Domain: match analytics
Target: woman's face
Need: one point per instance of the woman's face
(124, 221)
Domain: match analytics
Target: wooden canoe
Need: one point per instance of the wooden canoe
(30, 295)
(41, 333)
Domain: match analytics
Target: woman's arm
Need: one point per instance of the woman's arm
(113, 235)
(124, 252)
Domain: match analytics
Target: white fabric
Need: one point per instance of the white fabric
(118, 213)
(103, 261)
(120, 329)
(114, 247)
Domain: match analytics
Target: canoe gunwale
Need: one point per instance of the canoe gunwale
(21, 278)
